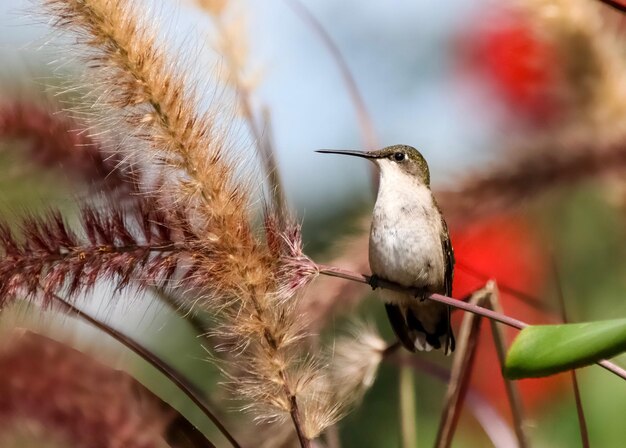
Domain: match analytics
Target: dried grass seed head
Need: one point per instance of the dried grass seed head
(151, 98)
(355, 360)
(75, 399)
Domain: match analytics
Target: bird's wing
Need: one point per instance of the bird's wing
(448, 276)
(448, 259)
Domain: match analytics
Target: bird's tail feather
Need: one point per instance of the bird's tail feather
(412, 332)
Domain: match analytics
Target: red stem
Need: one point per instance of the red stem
(361, 278)
(511, 322)
(616, 4)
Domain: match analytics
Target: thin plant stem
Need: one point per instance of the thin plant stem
(176, 377)
(408, 417)
(365, 121)
(366, 124)
(461, 373)
(362, 278)
(521, 295)
(294, 410)
(272, 172)
(582, 421)
(494, 424)
(266, 152)
(512, 391)
(613, 368)
(455, 303)
(262, 135)
(295, 417)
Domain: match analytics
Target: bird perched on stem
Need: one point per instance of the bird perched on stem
(410, 245)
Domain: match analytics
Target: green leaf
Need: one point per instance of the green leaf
(542, 350)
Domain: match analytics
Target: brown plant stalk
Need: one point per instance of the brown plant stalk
(140, 244)
(205, 242)
(580, 412)
(366, 124)
(511, 388)
(460, 375)
(364, 118)
(493, 423)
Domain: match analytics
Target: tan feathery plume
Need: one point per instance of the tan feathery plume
(355, 361)
(135, 79)
(241, 275)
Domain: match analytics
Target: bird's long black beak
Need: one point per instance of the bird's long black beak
(364, 154)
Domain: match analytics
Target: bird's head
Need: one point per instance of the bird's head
(395, 160)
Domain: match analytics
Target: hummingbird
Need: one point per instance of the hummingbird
(410, 245)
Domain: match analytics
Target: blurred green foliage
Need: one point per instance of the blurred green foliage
(25, 189)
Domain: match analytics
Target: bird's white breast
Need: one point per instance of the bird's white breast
(405, 236)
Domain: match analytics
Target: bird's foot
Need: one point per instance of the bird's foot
(373, 281)
(421, 294)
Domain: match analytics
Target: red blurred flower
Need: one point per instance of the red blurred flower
(519, 65)
(505, 249)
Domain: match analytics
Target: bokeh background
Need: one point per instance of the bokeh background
(475, 85)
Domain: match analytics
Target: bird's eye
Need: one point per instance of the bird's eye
(399, 156)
